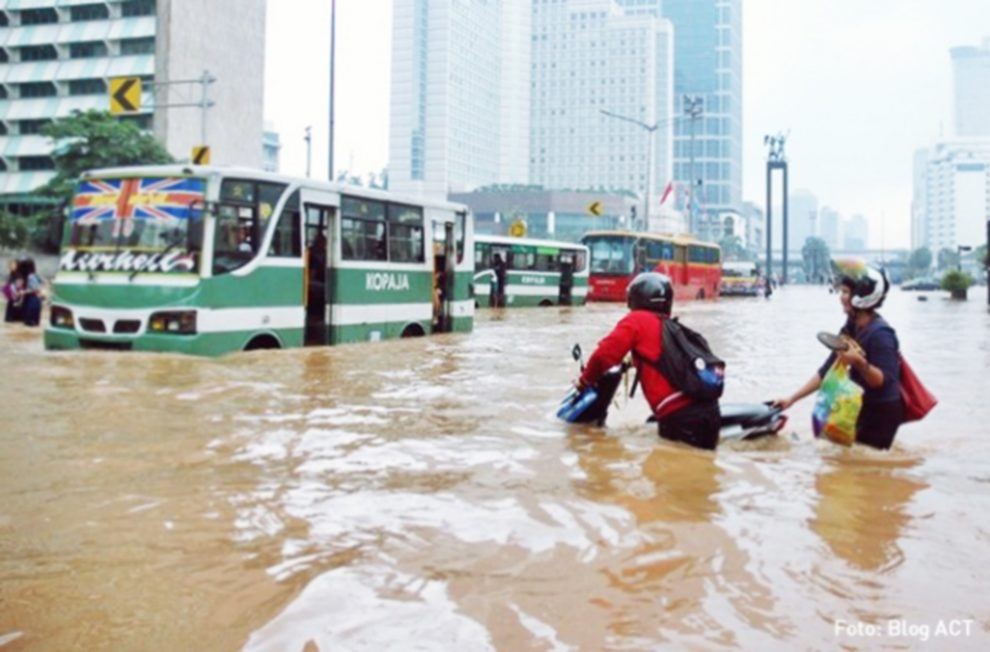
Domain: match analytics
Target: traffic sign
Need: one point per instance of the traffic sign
(201, 155)
(125, 95)
(595, 208)
(517, 229)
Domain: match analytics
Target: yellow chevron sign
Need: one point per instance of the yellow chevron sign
(201, 155)
(125, 95)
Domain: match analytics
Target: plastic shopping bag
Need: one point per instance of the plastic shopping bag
(837, 406)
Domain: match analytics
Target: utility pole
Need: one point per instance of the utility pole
(309, 149)
(333, 43)
(205, 104)
(650, 131)
(776, 161)
(693, 108)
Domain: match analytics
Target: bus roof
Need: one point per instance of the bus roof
(676, 238)
(239, 172)
(536, 242)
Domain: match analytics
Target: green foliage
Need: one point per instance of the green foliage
(816, 256)
(919, 262)
(733, 249)
(95, 139)
(956, 282)
(35, 232)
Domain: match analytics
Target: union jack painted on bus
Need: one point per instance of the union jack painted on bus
(166, 200)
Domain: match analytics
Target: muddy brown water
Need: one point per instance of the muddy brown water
(420, 495)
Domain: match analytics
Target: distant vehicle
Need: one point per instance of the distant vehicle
(538, 272)
(693, 266)
(740, 279)
(926, 283)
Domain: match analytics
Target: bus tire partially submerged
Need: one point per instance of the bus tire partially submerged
(206, 261)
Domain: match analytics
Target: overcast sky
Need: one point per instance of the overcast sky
(860, 84)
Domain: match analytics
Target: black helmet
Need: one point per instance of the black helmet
(650, 291)
(867, 284)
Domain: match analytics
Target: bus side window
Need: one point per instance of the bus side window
(482, 256)
(405, 234)
(286, 240)
(680, 254)
(362, 229)
(580, 261)
(232, 241)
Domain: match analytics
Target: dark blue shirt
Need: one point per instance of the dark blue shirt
(879, 343)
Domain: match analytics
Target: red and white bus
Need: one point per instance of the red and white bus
(694, 266)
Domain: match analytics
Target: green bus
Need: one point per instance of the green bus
(537, 272)
(209, 260)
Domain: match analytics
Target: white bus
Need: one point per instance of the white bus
(207, 260)
(537, 272)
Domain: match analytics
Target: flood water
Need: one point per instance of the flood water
(420, 495)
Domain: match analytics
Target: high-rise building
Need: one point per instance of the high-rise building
(971, 86)
(956, 198)
(708, 65)
(919, 199)
(855, 234)
(829, 222)
(57, 57)
(270, 146)
(601, 99)
(460, 95)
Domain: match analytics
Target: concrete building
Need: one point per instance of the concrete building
(590, 57)
(555, 215)
(954, 205)
(919, 199)
(971, 90)
(271, 145)
(57, 56)
(829, 224)
(855, 234)
(460, 105)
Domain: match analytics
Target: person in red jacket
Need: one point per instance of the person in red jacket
(650, 297)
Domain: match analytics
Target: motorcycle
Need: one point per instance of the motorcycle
(740, 421)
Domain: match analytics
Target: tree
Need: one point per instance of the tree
(95, 139)
(732, 248)
(947, 258)
(816, 259)
(919, 262)
(980, 255)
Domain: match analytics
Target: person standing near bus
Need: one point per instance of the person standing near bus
(499, 266)
(650, 297)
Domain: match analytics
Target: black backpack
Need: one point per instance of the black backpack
(687, 362)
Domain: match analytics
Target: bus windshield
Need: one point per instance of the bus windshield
(147, 224)
(610, 254)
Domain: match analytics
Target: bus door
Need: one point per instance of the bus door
(566, 291)
(318, 297)
(444, 259)
(679, 270)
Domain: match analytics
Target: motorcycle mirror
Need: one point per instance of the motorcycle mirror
(576, 352)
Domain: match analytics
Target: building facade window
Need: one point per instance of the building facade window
(89, 12)
(39, 16)
(130, 46)
(38, 53)
(87, 50)
(33, 163)
(37, 89)
(87, 87)
(137, 8)
(30, 127)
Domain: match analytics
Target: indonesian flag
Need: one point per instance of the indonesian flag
(666, 192)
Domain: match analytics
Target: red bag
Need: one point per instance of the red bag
(918, 401)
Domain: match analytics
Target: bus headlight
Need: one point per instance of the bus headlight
(61, 317)
(179, 322)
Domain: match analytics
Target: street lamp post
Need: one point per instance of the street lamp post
(650, 130)
(309, 149)
(693, 108)
(333, 46)
(959, 252)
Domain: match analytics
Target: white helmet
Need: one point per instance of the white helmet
(868, 284)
